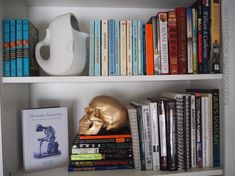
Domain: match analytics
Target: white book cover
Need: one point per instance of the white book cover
(104, 48)
(123, 59)
(129, 46)
(45, 138)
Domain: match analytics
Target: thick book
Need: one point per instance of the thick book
(30, 40)
(129, 46)
(189, 40)
(205, 35)
(135, 47)
(163, 38)
(105, 48)
(13, 47)
(117, 48)
(172, 40)
(149, 48)
(123, 59)
(45, 138)
(111, 47)
(92, 49)
(97, 48)
(19, 47)
(215, 36)
(182, 39)
(6, 47)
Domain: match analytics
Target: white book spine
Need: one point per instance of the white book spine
(129, 46)
(147, 137)
(154, 136)
(193, 132)
(104, 48)
(139, 36)
(210, 128)
(189, 40)
(162, 19)
(162, 131)
(205, 130)
(123, 47)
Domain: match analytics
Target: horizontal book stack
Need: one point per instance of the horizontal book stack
(185, 40)
(20, 39)
(177, 131)
(101, 152)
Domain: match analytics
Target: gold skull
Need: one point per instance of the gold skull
(104, 113)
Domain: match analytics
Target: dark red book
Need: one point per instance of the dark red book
(172, 39)
(182, 39)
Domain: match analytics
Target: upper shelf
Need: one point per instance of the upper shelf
(99, 79)
(112, 3)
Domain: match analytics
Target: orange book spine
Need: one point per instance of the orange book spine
(106, 136)
(149, 49)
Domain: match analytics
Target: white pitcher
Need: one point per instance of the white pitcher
(67, 47)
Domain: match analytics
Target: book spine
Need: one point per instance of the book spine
(111, 45)
(105, 48)
(210, 131)
(99, 156)
(19, 48)
(194, 28)
(6, 47)
(154, 137)
(162, 19)
(129, 46)
(147, 137)
(182, 40)
(97, 141)
(171, 135)
(13, 47)
(121, 151)
(149, 49)
(188, 131)
(162, 134)
(144, 50)
(92, 49)
(199, 40)
(172, 39)
(156, 50)
(193, 132)
(134, 47)
(216, 127)
(205, 35)
(198, 130)
(100, 163)
(139, 49)
(94, 168)
(76, 144)
(117, 48)
(30, 40)
(215, 35)
(97, 48)
(189, 40)
(123, 59)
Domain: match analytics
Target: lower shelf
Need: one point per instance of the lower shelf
(62, 171)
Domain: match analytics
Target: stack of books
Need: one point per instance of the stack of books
(20, 39)
(101, 152)
(177, 131)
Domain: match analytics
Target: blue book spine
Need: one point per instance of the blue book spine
(92, 49)
(144, 51)
(13, 47)
(117, 48)
(140, 40)
(205, 35)
(19, 48)
(26, 47)
(111, 43)
(135, 47)
(97, 48)
(6, 47)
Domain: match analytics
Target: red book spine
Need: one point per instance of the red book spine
(149, 49)
(172, 39)
(182, 40)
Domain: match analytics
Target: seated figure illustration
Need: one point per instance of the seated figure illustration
(47, 145)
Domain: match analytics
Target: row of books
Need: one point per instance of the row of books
(101, 152)
(182, 41)
(20, 38)
(176, 131)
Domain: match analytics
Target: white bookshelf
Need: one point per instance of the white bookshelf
(109, 79)
(63, 171)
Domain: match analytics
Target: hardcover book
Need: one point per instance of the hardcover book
(45, 138)
(189, 40)
(149, 48)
